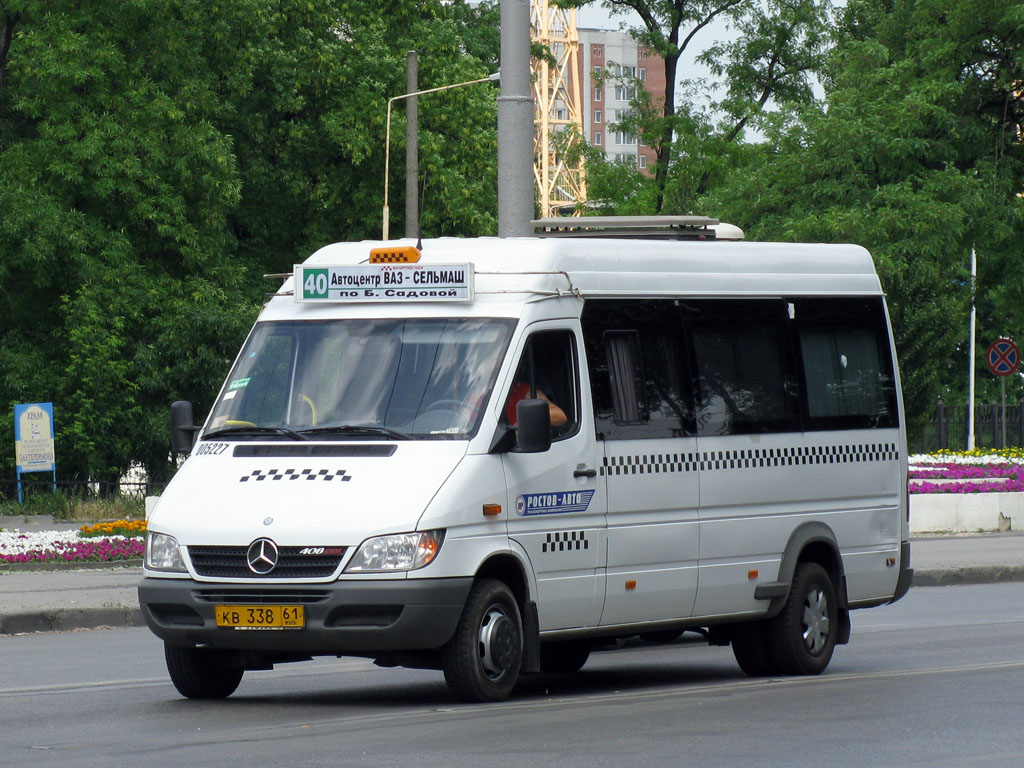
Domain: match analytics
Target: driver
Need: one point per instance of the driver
(520, 391)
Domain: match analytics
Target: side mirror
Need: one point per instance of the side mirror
(533, 426)
(183, 428)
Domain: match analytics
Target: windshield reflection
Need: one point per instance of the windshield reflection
(362, 379)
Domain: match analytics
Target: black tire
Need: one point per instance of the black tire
(803, 636)
(200, 673)
(564, 658)
(482, 661)
(751, 649)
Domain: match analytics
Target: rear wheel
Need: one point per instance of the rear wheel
(200, 673)
(564, 658)
(482, 661)
(803, 636)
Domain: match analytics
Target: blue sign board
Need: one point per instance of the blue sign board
(33, 440)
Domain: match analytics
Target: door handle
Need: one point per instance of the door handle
(582, 471)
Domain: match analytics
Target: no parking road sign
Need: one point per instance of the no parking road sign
(1003, 357)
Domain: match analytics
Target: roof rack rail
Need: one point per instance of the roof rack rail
(647, 227)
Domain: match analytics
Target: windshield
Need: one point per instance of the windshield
(363, 379)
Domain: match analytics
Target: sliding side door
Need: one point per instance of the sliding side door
(640, 380)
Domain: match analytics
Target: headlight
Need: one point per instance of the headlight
(400, 552)
(163, 554)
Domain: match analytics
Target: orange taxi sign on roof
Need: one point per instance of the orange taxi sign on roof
(401, 254)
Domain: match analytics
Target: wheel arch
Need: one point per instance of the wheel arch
(506, 567)
(812, 542)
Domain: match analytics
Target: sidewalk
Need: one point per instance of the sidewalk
(89, 598)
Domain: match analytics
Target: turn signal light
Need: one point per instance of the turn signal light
(492, 510)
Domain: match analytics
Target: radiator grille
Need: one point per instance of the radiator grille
(292, 563)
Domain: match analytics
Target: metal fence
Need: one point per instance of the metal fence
(42, 483)
(948, 428)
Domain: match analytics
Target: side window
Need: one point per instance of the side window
(547, 370)
(847, 363)
(745, 373)
(639, 369)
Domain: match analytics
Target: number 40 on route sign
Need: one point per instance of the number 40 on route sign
(1003, 357)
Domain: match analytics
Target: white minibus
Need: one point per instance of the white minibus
(488, 456)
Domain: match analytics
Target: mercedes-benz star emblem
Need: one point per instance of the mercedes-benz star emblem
(262, 556)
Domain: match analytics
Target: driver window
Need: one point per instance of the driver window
(547, 371)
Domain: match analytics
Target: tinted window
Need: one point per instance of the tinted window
(846, 361)
(671, 367)
(639, 369)
(745, 373)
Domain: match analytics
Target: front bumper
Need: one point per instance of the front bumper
(362, 618)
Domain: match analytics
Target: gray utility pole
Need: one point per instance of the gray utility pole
(412, 150)
(515, 123)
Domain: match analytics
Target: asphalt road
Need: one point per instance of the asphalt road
(935, 680)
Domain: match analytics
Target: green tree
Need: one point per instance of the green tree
(917, 156)
(116, 188)
(157, 157)
(309, 95)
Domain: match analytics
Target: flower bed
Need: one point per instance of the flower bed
(126, 528)
(968, 472)
(91, 544)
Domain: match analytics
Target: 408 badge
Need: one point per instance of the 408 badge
(553, 502)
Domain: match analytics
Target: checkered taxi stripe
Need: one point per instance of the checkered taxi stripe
(660, 463)
(259, 475)
(563, 541)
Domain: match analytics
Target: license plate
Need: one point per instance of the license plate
(261, 616)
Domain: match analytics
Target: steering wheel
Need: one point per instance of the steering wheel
(454, 406)
(312, 408)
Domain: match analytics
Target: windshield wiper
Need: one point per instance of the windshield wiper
(254, 431)
(357, 429)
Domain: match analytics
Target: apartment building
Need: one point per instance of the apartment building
(616, 54)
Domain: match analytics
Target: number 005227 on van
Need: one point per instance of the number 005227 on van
(620, 427)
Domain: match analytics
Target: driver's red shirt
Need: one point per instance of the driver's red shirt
(520, 391)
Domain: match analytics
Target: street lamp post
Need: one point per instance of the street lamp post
(387, 137)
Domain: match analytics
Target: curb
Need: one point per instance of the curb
(984, 574)
(73, 565)
(67, 619)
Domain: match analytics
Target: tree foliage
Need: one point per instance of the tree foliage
(916, 155)
(157, 157)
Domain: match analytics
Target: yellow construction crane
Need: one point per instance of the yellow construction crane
(558, 111)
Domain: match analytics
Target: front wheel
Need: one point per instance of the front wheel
(200, 673)
(482, 661)
(803, 636)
